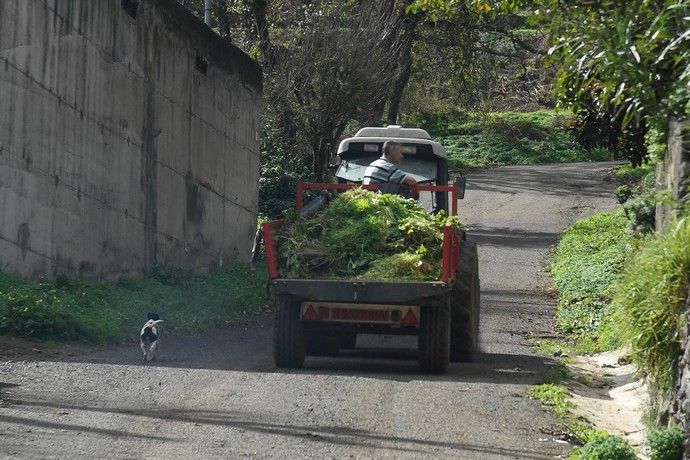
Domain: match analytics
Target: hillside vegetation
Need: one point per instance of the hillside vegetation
(621, 284)
(507, 138)
(76, 310)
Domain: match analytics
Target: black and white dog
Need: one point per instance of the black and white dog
(150, 337)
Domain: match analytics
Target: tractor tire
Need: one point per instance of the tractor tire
(465, 306)
(434, 338)
(321, 344)
(289, 344)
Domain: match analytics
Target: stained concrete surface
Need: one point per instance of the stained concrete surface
(118, 151)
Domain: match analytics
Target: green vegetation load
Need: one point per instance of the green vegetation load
(364, 235)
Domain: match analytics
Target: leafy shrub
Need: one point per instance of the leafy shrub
(641, 212)
(666, 444)
(605, 447)
(649, 301)
(638, 196)
(588, 259)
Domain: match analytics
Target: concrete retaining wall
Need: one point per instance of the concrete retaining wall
(128, 137)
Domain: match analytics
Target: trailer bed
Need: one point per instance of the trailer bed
(381, 292)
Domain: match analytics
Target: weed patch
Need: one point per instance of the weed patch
(76, 310)
(636, 175)
(555, 397)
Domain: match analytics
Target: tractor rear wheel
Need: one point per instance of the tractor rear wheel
(289, 345)
(434, 338)
(465, 306)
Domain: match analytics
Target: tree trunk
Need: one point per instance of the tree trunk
(220, 10)
(404, 67)
(257, 10)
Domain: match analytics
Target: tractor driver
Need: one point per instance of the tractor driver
(385, 172)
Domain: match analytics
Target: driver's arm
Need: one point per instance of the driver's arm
(409, 180)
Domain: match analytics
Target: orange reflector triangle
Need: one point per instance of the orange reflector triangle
(310, 314)
(409, 319)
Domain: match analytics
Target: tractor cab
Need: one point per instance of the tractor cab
(423, 158)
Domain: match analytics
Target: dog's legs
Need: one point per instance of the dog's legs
(152, 351)
(143, 350)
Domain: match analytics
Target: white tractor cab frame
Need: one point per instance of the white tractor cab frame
(423, 158)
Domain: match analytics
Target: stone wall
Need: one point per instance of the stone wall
(681, 400)
(128, 137)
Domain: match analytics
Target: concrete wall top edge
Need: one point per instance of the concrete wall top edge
(216, 49)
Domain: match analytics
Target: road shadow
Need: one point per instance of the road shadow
(582, 179)
(512, 237)
(249, 349)
(330, 435)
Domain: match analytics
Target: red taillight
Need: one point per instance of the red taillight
(409, 319)
(310, 314)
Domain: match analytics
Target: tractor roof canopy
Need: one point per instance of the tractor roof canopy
(416, 142)
(421, 154)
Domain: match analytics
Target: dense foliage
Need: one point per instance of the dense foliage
(331, 67)
(623, 67)
(365, 235)
(71, 309)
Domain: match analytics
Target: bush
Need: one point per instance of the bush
(666, 444)
(280, 172)
(649, 301)
(605, 447)
(588, 259)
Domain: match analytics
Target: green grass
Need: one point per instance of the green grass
(649, 301)
(76, 310)
(506, 138)
(555, 397)
(588, 259)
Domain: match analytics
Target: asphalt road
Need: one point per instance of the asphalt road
(219, 395)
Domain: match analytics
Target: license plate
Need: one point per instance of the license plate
(348, 314)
